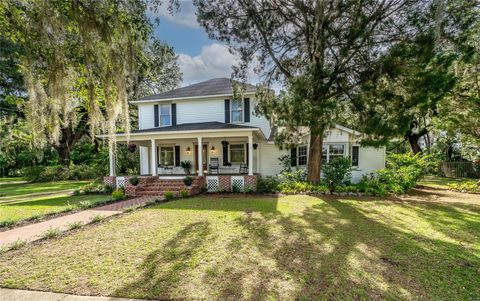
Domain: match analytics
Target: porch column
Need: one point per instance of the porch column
(199, 158)
(112, 160)
(153, 157)
(250, 155)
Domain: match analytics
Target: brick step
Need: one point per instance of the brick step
(149, 193)
(170, 189)
(161, 187)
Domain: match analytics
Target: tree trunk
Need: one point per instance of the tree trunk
(63, 151)
(315, 158)
(413, 140)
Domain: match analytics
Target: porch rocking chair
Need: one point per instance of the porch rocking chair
(243, 168)
(213, 166)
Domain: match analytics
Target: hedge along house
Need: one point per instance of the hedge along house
(228, 145)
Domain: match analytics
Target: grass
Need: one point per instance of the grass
(424, 246)
(16, 211)
(440, 182)
(9, 190)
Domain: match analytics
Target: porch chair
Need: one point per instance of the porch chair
(243, 168)
(213, 166)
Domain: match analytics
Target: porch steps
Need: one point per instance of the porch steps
(158, 186)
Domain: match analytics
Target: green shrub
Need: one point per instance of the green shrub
(299, 187)
(399, 177)
(7, 223)
(267, 184)
(58, 172)
(74, 225)
(184, 193)
(337, 172)
(97, 218)
(108, 189)
(85, 204)
(168, 195)
(299, 175)
(52, 232)
(93, 188)
(17, 244)
(118, 194)
(134, 180)
(188, 181)
(468, 186)
(77, 192)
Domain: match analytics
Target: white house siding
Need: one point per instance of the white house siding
(370, 159)
(200, 110)
(258, 121)
(145, 116)
(269, 164)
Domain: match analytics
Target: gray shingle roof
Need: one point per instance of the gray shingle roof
(214, 125)
(215, 86)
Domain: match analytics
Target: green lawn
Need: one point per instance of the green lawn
(424, 246)
(14, 211)
(440, 182)
(9, 190)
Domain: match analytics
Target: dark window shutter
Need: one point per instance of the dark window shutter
(247, 155)
(155, 115)
(227, 110)
(293, 156)
(225, 153)
(174, 114)
(355, 155)
(246, 107)
(177, 155)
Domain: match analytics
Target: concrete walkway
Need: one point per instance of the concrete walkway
(36, 231)
(22, 295)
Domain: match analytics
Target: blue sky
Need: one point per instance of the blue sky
(199, 57)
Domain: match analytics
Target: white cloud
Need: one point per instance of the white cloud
(214, 61)
(185, 16)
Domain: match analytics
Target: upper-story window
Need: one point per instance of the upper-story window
(237, 110)
(165, 115)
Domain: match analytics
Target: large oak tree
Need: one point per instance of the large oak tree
(320, 50)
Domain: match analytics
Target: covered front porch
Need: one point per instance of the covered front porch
(203, 152)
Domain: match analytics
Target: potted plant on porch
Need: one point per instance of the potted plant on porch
(187, 166)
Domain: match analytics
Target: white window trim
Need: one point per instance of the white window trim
(244, 153)
(159, 154)
(160, 114)
(243, 112)
(345, 152)
(298, 155)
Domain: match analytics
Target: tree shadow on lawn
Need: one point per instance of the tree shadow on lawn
(331, 250)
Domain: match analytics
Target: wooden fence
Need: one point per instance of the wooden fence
(459, 169)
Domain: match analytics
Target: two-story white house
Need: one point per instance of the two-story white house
(223, 138)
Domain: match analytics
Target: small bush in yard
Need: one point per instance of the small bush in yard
(74, 225)
(469, 186)
(19, 243)
(85, 204)
(168, 195)
(184, 193)
(337, 172)
(118, 194)
(108, 188)
(97, 218)
(134, 181)
(52, 232)
(267, 184)
(6, 223)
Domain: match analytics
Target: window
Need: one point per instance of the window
(355, 152)
(237, 153)
(237, 110)
(302, 155)
(336, 151)
(165, 117)
(166, 156)
(324, 154)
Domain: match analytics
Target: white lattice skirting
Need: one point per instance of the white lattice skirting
(238, 183)
(120, 182)
(213, 184)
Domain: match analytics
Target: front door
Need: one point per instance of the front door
(204, 157)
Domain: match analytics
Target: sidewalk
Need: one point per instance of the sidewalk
(23, 295)
(36, 231)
